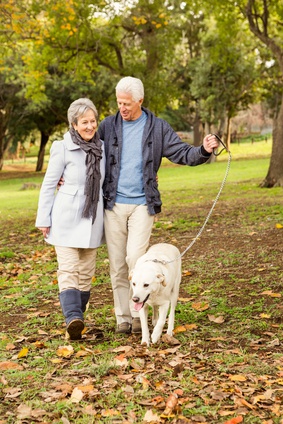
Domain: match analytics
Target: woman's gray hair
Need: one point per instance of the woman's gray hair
(132, 86)
(78, 108)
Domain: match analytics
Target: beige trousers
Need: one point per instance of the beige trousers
(76, 267)
(127, 231)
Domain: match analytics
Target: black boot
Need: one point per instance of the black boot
(85, 295)
(71, 305)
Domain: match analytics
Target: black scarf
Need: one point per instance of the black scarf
(93, 150)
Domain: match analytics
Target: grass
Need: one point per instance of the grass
(218, 370)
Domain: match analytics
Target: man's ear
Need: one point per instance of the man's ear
(161, 279)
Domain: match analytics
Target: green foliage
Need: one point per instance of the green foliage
(198, 60)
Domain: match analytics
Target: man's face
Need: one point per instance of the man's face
(129, 109)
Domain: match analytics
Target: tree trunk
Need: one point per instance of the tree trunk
(228, 134)
(4, 144)
(259, 25)
(41, 153)
(274, 176)
(197, 130)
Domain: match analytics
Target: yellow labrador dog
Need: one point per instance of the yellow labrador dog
(155, 282)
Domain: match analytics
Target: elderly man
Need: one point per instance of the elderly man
(135, 142)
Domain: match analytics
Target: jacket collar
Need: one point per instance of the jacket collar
(69, 142)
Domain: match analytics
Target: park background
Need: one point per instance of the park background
(207, 66)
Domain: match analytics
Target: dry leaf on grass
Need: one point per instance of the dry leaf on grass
(23, 353)
(218, 320)
(200, 306)
(65, 351)
(8, 365)
(151, 417)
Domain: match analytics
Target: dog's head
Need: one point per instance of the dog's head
(145, 282)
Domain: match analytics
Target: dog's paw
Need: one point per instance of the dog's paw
(155, 338)
(145, 342)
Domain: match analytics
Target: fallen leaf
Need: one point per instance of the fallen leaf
(24, 411)
(6, 365)
(170, 340)
(151, 417)
(82, 353)
(10, 346)
(186, 272)
(270, 293)
(144, 381)
(200, 306)
(218, 320)
(235, 420)
(279, 226)
(39, 345)
(125, 349)
(170, 404)
(185, 299)
(265, 316)
(185, 327)
(56, 361)
(109, 413)
(76, 395)
(65, 351)
(23, 353)
(191, 326)
(180, 329)
(43, 333)
(12, 392)
(237, 377)
(86, 389)
(89, 410)
(121, 361)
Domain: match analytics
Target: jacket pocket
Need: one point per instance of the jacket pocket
(68, 189)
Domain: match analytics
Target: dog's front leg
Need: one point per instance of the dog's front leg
(155, 309)
(144, 325)
(157, 331)
(171, 320)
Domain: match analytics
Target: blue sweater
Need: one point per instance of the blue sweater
(130, 184)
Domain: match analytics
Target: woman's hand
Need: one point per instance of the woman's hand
(45, 231)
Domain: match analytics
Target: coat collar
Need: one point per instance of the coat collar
(69, 142)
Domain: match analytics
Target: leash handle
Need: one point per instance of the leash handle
(223, 144)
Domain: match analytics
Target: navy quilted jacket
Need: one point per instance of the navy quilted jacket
(159, 140)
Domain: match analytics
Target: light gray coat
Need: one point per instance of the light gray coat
(62, 210)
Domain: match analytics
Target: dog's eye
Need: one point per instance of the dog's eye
(146, 285)
(134, 284)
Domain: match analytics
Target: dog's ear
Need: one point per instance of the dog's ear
(161, 279)
(130, 276)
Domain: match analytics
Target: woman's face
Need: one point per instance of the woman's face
(86, 125)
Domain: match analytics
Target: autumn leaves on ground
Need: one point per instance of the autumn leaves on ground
(225, 362)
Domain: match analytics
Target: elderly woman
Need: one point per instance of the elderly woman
(72, 219)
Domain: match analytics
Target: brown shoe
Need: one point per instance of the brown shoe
(123, 328)
(75, 328)
(136, 325)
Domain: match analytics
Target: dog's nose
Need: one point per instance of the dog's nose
(135, 299)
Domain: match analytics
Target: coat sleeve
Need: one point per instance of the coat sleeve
(53, 174)
(179, 152)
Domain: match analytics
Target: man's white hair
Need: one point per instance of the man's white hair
(132, 86)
